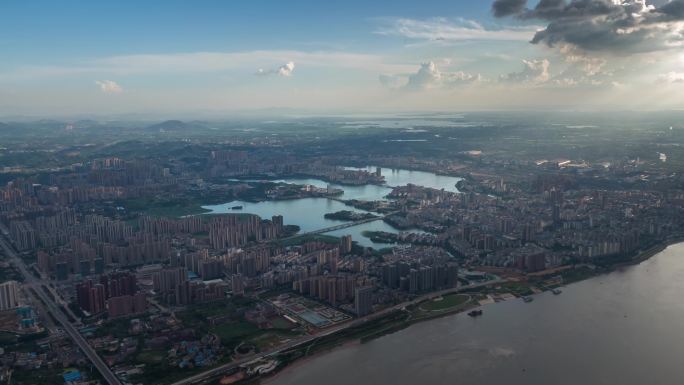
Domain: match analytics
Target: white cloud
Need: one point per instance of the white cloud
(590, 65)
(579, 72)
(109, 86)
(284, 70)
(205, 62)
(672, 77)
(534, 72)
(428, 76)
(442, 29)
(392, 81)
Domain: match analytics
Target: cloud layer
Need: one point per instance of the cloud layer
(201, 62)
(109, 86)
(672, 77)
(443, 29)
(535, 71)
(602, 26)
(284, 70)
(429, 76)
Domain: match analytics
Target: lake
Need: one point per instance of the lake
(400, 177)
(622, 328)
(307, 213)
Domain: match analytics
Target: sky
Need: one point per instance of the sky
(175, 57)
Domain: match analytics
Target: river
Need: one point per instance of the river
(307, 213)
(622, 328)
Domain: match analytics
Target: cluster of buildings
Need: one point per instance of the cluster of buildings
(242, 163)
(116, 262)
(56, 353)
(419, 269)
(545, 227)
(116, 293)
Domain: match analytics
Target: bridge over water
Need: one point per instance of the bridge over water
(338, 227)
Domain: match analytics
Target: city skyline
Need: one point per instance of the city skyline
(173, 57)
(312, 192)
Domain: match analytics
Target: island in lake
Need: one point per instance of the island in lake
(346, 215)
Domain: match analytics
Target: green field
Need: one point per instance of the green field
(518, 289)
(7, 338)
(282, 323)
(117, 328)
(151, 356)
(235, 331)
(197, 315)
(266, 341)
(42, 376)
(446, 303)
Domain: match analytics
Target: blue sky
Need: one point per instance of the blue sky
(67, 29)
(72, 57)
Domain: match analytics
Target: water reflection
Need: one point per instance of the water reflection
(307, 213)
(622, 328)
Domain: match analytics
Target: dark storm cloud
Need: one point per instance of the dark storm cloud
(627, 27)
(557, 9)
(673, 10)
(547, 9)
(502, 8)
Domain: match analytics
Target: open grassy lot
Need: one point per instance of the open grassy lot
(447, 302)
(516, 288)
(42, 376)
(236, 330)
(151, 356)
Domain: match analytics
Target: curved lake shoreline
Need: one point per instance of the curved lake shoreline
(520, 343)
(308, 213)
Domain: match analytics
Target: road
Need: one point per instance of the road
(111, 378)
(31, 281)
(337, 227)
(198, 378)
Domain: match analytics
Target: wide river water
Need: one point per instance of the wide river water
(308, 213)
(624, 328)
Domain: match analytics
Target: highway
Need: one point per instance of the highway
(31, 281)
(211, 373)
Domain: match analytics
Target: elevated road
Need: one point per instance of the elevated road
(343, 226)
(31, 281)
(337, 227)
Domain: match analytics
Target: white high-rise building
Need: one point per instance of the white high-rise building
(9, 298)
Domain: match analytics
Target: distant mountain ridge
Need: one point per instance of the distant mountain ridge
(175, 126)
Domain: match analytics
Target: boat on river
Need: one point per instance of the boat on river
(475, 313)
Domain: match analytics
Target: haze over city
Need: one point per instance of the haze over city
(310, 192)
(175, 56)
